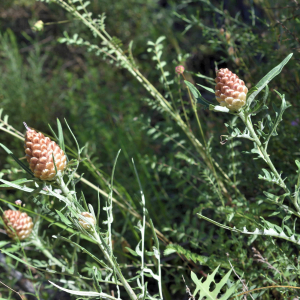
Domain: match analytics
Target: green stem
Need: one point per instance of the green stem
(194, 106)
(64, 188)
(37, 242)
(182, 104)
(247, 120)
(113, 264)
(104, 248)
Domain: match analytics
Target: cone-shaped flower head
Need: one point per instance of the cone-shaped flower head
(85, 224)
(17, 224)
(39, 150)
(230, 90)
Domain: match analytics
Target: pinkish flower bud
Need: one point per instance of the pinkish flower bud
(179, 69)
(18, 202)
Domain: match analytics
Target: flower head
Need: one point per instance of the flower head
(230, 91)
(18, 224)
(40, 151)
(179, 69)
(18, 202)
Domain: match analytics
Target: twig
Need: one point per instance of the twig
(188, 291)
(263, 260)
(245, 288)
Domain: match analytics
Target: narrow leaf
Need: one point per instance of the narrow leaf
(266, 79)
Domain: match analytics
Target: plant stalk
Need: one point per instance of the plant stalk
(247, 121)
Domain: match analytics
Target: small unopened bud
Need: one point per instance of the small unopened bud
(57, 191)
(230, 90)
(230, 50)
(17, 224)
(222, 31)
(85, 224)
(18, 202)
(237, 61)
(228, 36)
(38, 26)
(179, 69)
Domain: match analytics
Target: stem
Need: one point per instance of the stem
(196, 114)
(233, 165)
(37, 242)
(115, 266)
(143, 228)
(194, 106)
(247, 120)
(182, 104)
(165, 80)
(104, 248)
(64, 188)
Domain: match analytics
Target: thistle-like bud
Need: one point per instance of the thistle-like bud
(40, 151)
(85, 224)
(17, 224)
(230, 90)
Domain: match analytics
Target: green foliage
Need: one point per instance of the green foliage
(162, 120)
(204, 288)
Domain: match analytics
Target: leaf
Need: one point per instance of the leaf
(53, 132)
(4, 243)
(192, 88)
(81, 293)
(63, 218)
(78, 149)
(297, 162)
(160, 39)
(83, 250)
(207, 88)
(147, 270)
(197, 95)
(270, 177)
(264, 231)
(132, 251)
(204, 287)
(21, 164)
(19, 187)
(18, 181)
(171, 248)
(278, 118)
(60, 136)
(266, 79)
(259, 105)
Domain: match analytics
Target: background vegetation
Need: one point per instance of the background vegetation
(108, 110)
